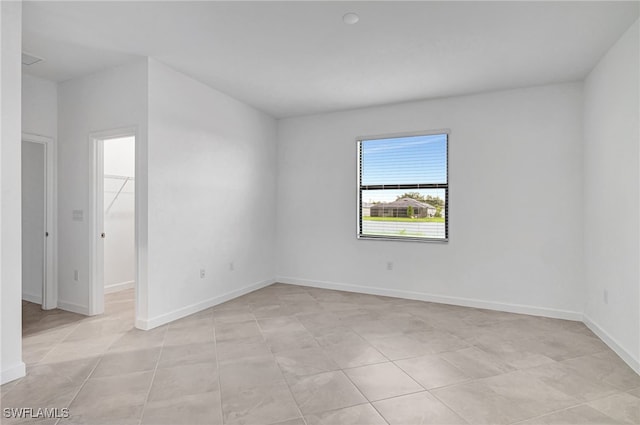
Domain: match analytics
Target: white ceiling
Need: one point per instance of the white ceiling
(296, 58)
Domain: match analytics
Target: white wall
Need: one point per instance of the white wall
(11, 365)
(112, 99)
(515, 208)
(612, 197)
(119, 214)
(39, 106)
(212, 195)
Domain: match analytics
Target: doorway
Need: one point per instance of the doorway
(39, 283)
(114, 245)
(119, 214)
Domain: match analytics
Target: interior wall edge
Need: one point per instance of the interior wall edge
(612, 343)
(610, 162)
(11, 365)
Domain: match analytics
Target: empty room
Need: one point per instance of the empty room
(320, 212)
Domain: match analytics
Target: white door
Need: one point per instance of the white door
(34, 195)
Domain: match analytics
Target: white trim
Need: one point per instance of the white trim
(96, 216)
(12, 373)
(202, 305)
(115, 287)
(32, 298)
(96, 226)
(442, 299)
(49, 298)
(73, 307)
(404, 134)
(612, 343)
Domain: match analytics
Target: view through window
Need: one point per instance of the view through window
(403, 187)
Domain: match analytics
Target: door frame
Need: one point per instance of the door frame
(96, 215)
(50, 275)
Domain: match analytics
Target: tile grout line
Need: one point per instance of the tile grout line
(215, 347)
(153, 376)
(389, 361)
(416, 381)
(291, 303)
(88, 375)
(471, 379)
(345, 407)
(448, 407)
(582, 403)
(369, 402)
(57, 344)
(304, 419)
(84, 382)
(372, 403)
(280, 368)
(369, 342)
(323, 349)
(255, 320)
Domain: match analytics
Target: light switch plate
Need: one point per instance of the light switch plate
(77, 215)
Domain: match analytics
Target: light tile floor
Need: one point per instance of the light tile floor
(293, 355)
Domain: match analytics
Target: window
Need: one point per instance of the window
(403, 191)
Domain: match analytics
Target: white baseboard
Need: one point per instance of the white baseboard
(613, 344)
(36, 299)
(73, 307)
(442, 299)
(115, 287)
(467, 302)
(203, 305)
(12, 373)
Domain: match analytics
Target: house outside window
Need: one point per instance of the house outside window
(403, 190)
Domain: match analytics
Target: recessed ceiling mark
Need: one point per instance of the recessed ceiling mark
(28, 59)
(350, 18)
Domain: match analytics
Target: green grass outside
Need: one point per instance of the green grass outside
(407, 220)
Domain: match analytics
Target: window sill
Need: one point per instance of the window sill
(401, 239)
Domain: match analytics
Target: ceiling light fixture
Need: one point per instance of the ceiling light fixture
(350, 18)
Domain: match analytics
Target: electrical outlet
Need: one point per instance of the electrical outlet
(605, 296)
(76, 276)
(232, 267)
(201, 273)
(389, 265)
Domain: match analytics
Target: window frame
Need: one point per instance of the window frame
(359, 187)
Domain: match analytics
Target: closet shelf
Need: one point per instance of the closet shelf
(117, 177)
